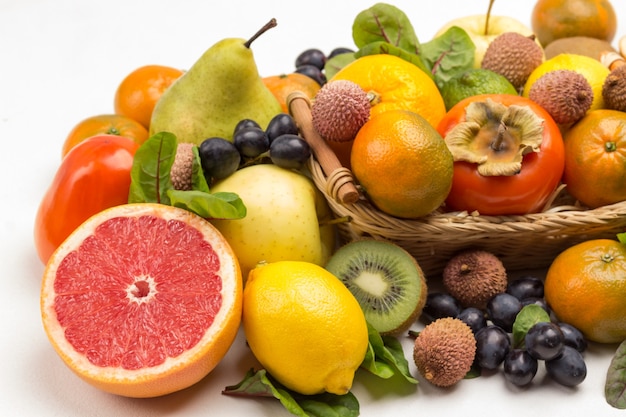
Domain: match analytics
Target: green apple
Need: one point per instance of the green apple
(475, 27)
(287, 217)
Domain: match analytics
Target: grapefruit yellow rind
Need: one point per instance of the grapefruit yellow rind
(175, 373)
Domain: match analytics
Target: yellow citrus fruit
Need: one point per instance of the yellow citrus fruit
(396, 84)
(304, 326)
(402, 163)
(142, 300)
(594, 72)
(556, 19)
(585, 286)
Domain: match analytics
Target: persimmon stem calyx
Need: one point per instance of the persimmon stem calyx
(496, 137)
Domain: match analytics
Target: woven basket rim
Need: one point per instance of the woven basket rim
(557, 214)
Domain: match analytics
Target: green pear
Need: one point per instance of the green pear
(287, 217)
(220, 89)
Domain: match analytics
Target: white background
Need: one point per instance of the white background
(61, 61)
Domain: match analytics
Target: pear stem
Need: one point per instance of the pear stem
(488, 16)
(272, 23)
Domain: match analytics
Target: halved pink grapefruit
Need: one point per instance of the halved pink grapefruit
(142, 300)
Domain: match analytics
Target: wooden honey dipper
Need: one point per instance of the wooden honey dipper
(299, 107)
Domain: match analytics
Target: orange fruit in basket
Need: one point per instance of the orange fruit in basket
(555, 19)
(139, 91)
(284, 84)
(142, 300)
(586, 287)
(595, 158)
(107, 124)
(396, 84)
(402, 163)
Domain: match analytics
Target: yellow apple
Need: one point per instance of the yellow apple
(284, 221)
(475, 27)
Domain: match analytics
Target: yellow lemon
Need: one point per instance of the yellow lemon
(304, 326)
(594, 72)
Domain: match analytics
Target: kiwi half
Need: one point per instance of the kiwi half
(385, 279)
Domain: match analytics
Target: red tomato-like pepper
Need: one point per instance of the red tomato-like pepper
(93, 176)
(538, 171)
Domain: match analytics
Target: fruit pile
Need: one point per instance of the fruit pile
(510, 320)
(185, 214)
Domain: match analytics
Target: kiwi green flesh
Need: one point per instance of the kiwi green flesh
(386, 281)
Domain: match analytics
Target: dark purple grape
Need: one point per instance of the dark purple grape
(544, 340)
(313, 57)
(541, 302)
(289, 151)
(573, 337)
(568, 368)
(473, 317)
(251, 141)
(440, 304)
(338, 51)
(526, 287)
(492, 345)
(502, 310)
(281, 124)
(520, 367)
(244, 123)
(313, 72)
(219, 157)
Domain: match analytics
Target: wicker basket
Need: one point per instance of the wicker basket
(521, 242)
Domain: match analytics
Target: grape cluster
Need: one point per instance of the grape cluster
(560, 346)
(311, 62)
(279, 144)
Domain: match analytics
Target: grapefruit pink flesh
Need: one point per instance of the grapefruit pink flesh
(138, 296)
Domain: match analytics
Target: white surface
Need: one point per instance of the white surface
(61, 62)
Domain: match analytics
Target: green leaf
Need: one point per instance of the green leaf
(150, 173)
(615, 386)
(260, 384)
(527, 318)
(198, 180)
(386, 23)
(220, 205)
(622, 238)
(449, 54)
(385, 356)
(387, 48)
(334, 64)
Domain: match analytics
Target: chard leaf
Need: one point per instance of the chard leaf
(150, 173)
(209, 205)
(386, 23)
(527, 318)
(151, 183)
(385, 357)
(449, 54)
(198, 180)
(387, 48)
(615, 386)
(260, 384)
(334, 64)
